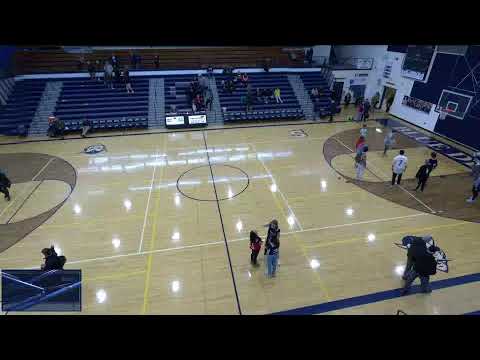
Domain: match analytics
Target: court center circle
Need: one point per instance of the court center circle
(196, 183)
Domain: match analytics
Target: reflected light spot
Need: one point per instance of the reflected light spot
(291, 220)
(378, 130)
(77, 209)
(249, 274)
(128, 204)
(58, 249)
(399, 269)
(371, 237)
(101, 296)
(177, 200)
(175, 286)
(314, 264)
(349, 211)
(239, 225)
(116, 243)
(323, 184)
(273, 188)
(230, 193)
(176, 236)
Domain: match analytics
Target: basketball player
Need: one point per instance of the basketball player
(475, 190)
(5, 185)
(399, 166)
(361, 162)
(432, 162)
(388, 142)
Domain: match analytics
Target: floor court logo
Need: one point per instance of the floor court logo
(95, 149)
(298, 133)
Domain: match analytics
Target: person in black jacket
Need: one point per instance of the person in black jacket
(255, 246)
(422, 175)
(52, 260)
(422, 265)
(5, 184)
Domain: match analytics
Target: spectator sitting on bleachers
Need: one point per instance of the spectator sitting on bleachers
(229, 86)
(56, 127)
(315, 93)
(22, 130)
(198, 103)
(259, 93)
(81, 63)
(267, 95)
(278, 98)
(156, 62)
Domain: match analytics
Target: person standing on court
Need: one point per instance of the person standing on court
(361, 162)
(399, 166)
(347, 99)
(5, 184)
(359, 144)
(422, 175)
(476, 165)
(475, 190)
(388, 142)
(432, 162)
(255, 246)
(417, 246)
(272, 246)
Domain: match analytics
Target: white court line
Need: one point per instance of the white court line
(146, 208)
(25, 190)
(278, 188)
(401, 187)
(241, 239)
(43, 168)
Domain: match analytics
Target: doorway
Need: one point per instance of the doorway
(337, 91)
(387, 93)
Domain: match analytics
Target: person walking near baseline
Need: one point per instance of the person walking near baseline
(361, 162)
(422, 176)
(399, 165)
(388, 142)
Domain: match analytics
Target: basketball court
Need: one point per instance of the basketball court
(159, 223)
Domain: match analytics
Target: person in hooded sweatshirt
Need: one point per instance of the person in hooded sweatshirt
(255, 246)
(52, 260)
(420, 263)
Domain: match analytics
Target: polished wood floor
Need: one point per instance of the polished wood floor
(143, 225)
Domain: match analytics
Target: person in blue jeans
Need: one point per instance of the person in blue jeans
(423, 265)
(272, 246)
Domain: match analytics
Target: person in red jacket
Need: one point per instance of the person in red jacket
(255, 246)
(360, 143)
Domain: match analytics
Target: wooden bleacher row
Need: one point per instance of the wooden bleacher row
(54, 61)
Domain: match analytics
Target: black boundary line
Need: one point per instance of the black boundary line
(23, 203)
(177, 131)
(223, 228)
(72, 188)
(201, 166)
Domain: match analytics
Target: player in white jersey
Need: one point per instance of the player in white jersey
(399, 165)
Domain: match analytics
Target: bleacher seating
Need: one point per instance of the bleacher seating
(106, 108)
(316, 79)
(21, 105)
(235, 108)
(176, 93)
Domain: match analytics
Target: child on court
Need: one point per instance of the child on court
(432, 162)
(255, 246)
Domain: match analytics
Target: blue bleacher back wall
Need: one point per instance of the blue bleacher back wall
(460, 74)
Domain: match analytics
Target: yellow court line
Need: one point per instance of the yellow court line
(412, 231)
(148, 274)
(302, 247)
